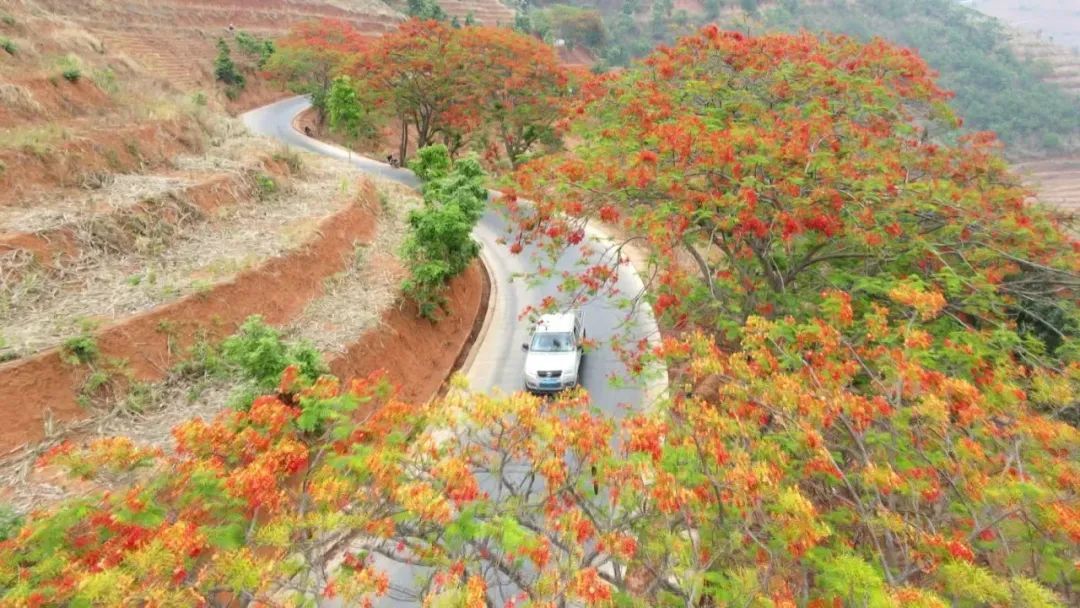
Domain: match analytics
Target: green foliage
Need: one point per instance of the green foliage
(575, 25)
(291, 159)
(259, 351)
(105, 79)
(10, 522)
(258, 49)
(348, 114)
(440, 244)
(266, 185)
(7, 20)
(8, 45)
(995, 90)
(81, 349)
(225, 69)
(425, 9)
(431, 163)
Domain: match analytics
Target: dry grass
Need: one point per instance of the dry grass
(356, 298)
(16, 96)
(36, 139)
(354, 302)
(105, 284)
(115, 192)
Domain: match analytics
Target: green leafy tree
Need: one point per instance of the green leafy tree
(426, 9)
(348, 113)
(224, 68)
(440, 245)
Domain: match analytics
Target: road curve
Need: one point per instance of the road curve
(496, 360)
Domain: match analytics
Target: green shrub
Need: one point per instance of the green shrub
(439, 245)
(7, 20)
(258, 49)
(105, 79)
(259, 351)
(425, 9)
(266, 185)
(224, 69)
(8, 45)
(291, 159)
(72, 74)
(81, 349)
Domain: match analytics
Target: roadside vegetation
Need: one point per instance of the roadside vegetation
(440, 245)
(488, 90)
(871, 338)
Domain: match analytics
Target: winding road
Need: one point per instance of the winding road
(496, 359)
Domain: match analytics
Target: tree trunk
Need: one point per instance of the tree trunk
(404, 146)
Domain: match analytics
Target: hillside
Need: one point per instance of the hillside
(164, 37)
(1057, 21)
(139, 225)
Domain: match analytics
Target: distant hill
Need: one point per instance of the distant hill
(1055, 21)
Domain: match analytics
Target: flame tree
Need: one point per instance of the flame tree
(311, 55)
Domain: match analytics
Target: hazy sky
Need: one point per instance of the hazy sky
(1057, 18)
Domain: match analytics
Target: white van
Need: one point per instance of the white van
(554, 352)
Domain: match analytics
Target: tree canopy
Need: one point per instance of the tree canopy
(312, 54)
(465, 85)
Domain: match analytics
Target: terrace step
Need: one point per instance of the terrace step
(267, 259)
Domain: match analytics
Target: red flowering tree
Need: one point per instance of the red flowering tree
(760, 171)
(312, 54)
(781, 481)
(518, 86)
(448, 84)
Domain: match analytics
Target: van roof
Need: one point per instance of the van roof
(559, 322)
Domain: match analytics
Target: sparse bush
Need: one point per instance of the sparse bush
(10, 522)
(71, 68)
(199, 99)
(81, 349)
(8, 45)
(291, 159)
(140, 397)
(105, 79)
(266, 185)
(425, 9)
(224, 69)
(258, 49)
(7, 20)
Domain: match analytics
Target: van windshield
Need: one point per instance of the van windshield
(552, 343)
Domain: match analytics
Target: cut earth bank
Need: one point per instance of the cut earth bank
(418, 355)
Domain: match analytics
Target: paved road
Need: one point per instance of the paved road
(497, 358)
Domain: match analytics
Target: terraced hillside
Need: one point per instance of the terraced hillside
(1062, 65)
(138, 224)
(487, 12)
(174, 38)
